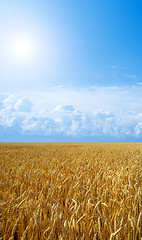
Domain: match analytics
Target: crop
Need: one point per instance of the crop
(71, 191)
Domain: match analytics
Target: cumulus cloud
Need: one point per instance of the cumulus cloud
(138, 129)
(23, 105)
(7, 121)
(16, 103)
(64, 108)
(13, 110)
(30, 123)
(17, 118)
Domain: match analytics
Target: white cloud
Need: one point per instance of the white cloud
(13, 110)
(30, 124)
(129, 76)
(64, 108)
(7, 121)
(109, 113)
(16, 103)
(112, 67)
(23, 105)
(112, 99)
(9, 102)
(140, 83)
(138, 128)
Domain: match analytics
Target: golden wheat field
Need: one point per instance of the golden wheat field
(71, 191)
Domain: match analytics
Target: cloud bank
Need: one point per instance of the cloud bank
(117, 117)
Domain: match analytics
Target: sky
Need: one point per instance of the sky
(70, 71)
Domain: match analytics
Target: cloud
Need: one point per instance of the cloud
(140, 83)
(64, 108)
(13, 110)
(23, 105)
(112, 67)
(99, 114)
(68, 119)
(63, 119)
(30, 123)
(129, 76)
(7, 121)
(16, 103)
(138, 129)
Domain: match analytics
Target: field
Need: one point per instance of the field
(71, 191)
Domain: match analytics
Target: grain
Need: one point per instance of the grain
(71, 191)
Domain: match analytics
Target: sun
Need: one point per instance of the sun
(22, 48)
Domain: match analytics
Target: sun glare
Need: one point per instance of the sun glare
(22, 48)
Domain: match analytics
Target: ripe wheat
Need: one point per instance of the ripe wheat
(71, 191)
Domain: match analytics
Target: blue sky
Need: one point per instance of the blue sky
(79, 75)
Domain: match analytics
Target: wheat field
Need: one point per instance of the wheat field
(71, 191)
